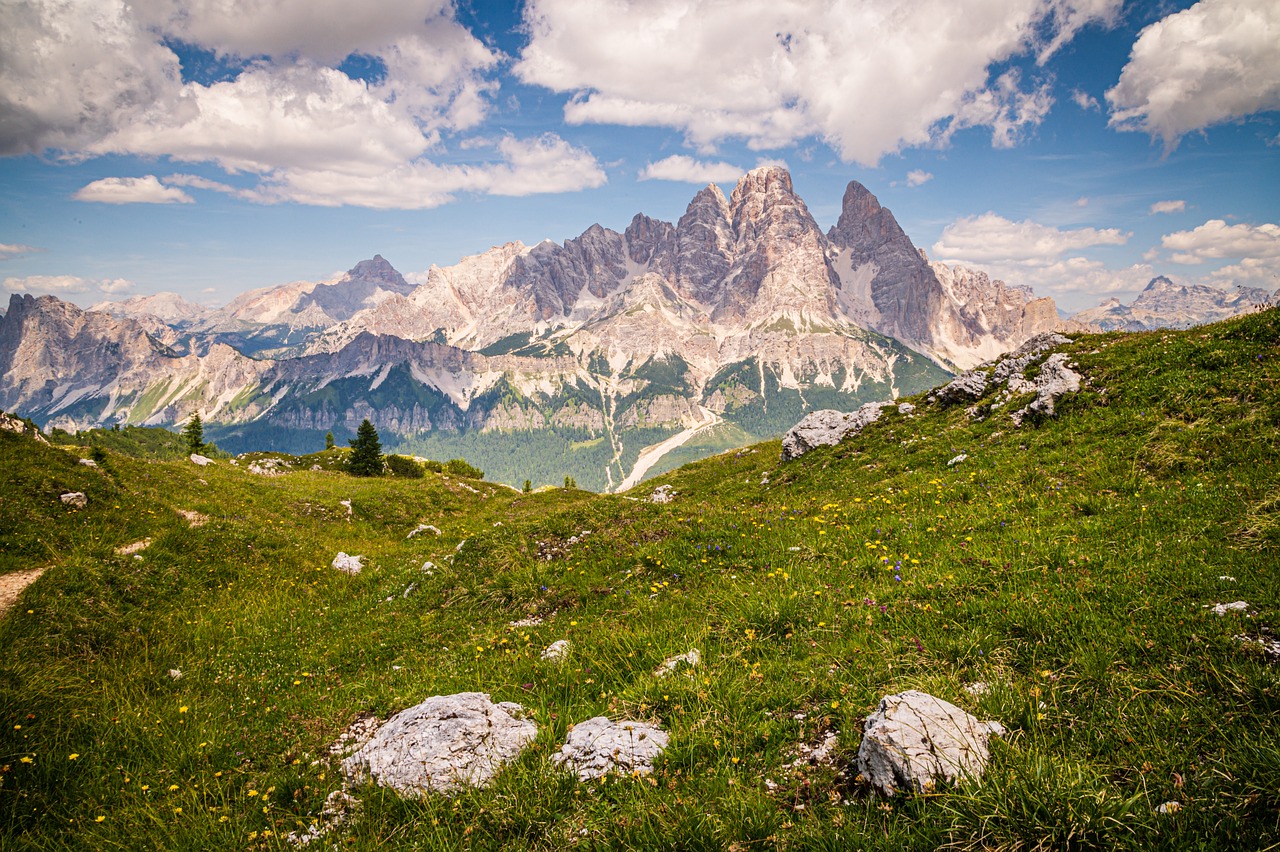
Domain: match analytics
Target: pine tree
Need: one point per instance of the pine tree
(193, 433)
(528, 486)
(328, 440)
(366, 452)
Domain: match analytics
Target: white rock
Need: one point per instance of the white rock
(827, 428)
(669, 665)
(906, 409)
(662, 494)
(201, 461)
(88, 462)
(75, 499)
(1224, 608)
(525, 622)
(915, 741)
(346, 503)
(1055, 379)
(978, 687)
(958, 459)
(557, 650)
(444, 743)
(348, 564)
(421, 528)
(1270, 647)
(597, 747)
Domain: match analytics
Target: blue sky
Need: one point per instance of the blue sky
(208, 147)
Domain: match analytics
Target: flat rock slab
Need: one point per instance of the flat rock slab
(443, 744)
(597, 747)
(12, 586)
(915, 741)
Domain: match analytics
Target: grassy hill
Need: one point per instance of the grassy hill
(1067, 564)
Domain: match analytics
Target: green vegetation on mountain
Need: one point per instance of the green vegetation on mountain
(187, 699)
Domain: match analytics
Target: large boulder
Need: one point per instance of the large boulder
(597, 747)
(1056, 378)
(827, 428)
(963, 388)
(914, 741)
(444, 743)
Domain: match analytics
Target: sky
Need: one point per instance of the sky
(209, 147)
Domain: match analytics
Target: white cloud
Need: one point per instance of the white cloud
(688, 170)
(990, 237)
(94, 77)
(1249, 272)
(1214, 62)
(66, 285)
(1176, 206)
(12, 250)
(876, 76)
(542, 164)
(132, 190)
(1215, 240)
(1084, 100)
(917, 177)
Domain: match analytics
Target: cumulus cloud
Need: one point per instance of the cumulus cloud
(990, 237)
(688, 170)
(132, 190)
(877, 76)
(1214, 62)
(1175, 206)
(1215, 240)
(12, 250)
(917, 177)
(66, 285)
(87, 78)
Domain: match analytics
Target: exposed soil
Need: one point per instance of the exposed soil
(11, 586)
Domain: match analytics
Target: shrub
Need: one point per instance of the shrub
(405, 467)
(459, 467)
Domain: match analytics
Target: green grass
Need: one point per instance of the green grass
(1065, 563)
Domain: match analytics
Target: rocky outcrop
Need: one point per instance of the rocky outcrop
(598, 747)
(827, 428)
(916, 743)
(444, 743)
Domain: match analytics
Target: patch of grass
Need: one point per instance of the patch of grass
(1066, 564)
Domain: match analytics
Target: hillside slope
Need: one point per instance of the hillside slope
(1066, 563)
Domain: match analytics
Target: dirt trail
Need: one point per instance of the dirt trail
(11, 586)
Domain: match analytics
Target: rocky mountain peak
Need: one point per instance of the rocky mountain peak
(1161, 283)
(704, 242)
(865, 227)
(378, 271)
(650, 240)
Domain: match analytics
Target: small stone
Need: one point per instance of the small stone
(1224, 608)
(134, 547)
(75, 499)
(957, 459)
(906, 408)
(201, 461)
(348, 564)
(662, 494)
(88, 462)
(557, 650)
(963, 388)
(597, 747)
(421, 528)
(691, 659)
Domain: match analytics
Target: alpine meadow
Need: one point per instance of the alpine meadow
(192, 667)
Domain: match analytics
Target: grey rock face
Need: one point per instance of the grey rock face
(827, 428)
(1054, 380)
(442, 744)
(597, 747)
(964, 388)
(915, 742)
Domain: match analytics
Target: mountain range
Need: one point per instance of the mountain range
(612, 355)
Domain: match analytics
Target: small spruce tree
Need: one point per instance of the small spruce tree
(328, 440)
(528, 486)
(366, 452)
(193, 433)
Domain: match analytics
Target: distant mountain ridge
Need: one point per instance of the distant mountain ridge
(742, 314)
(1164, 304)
